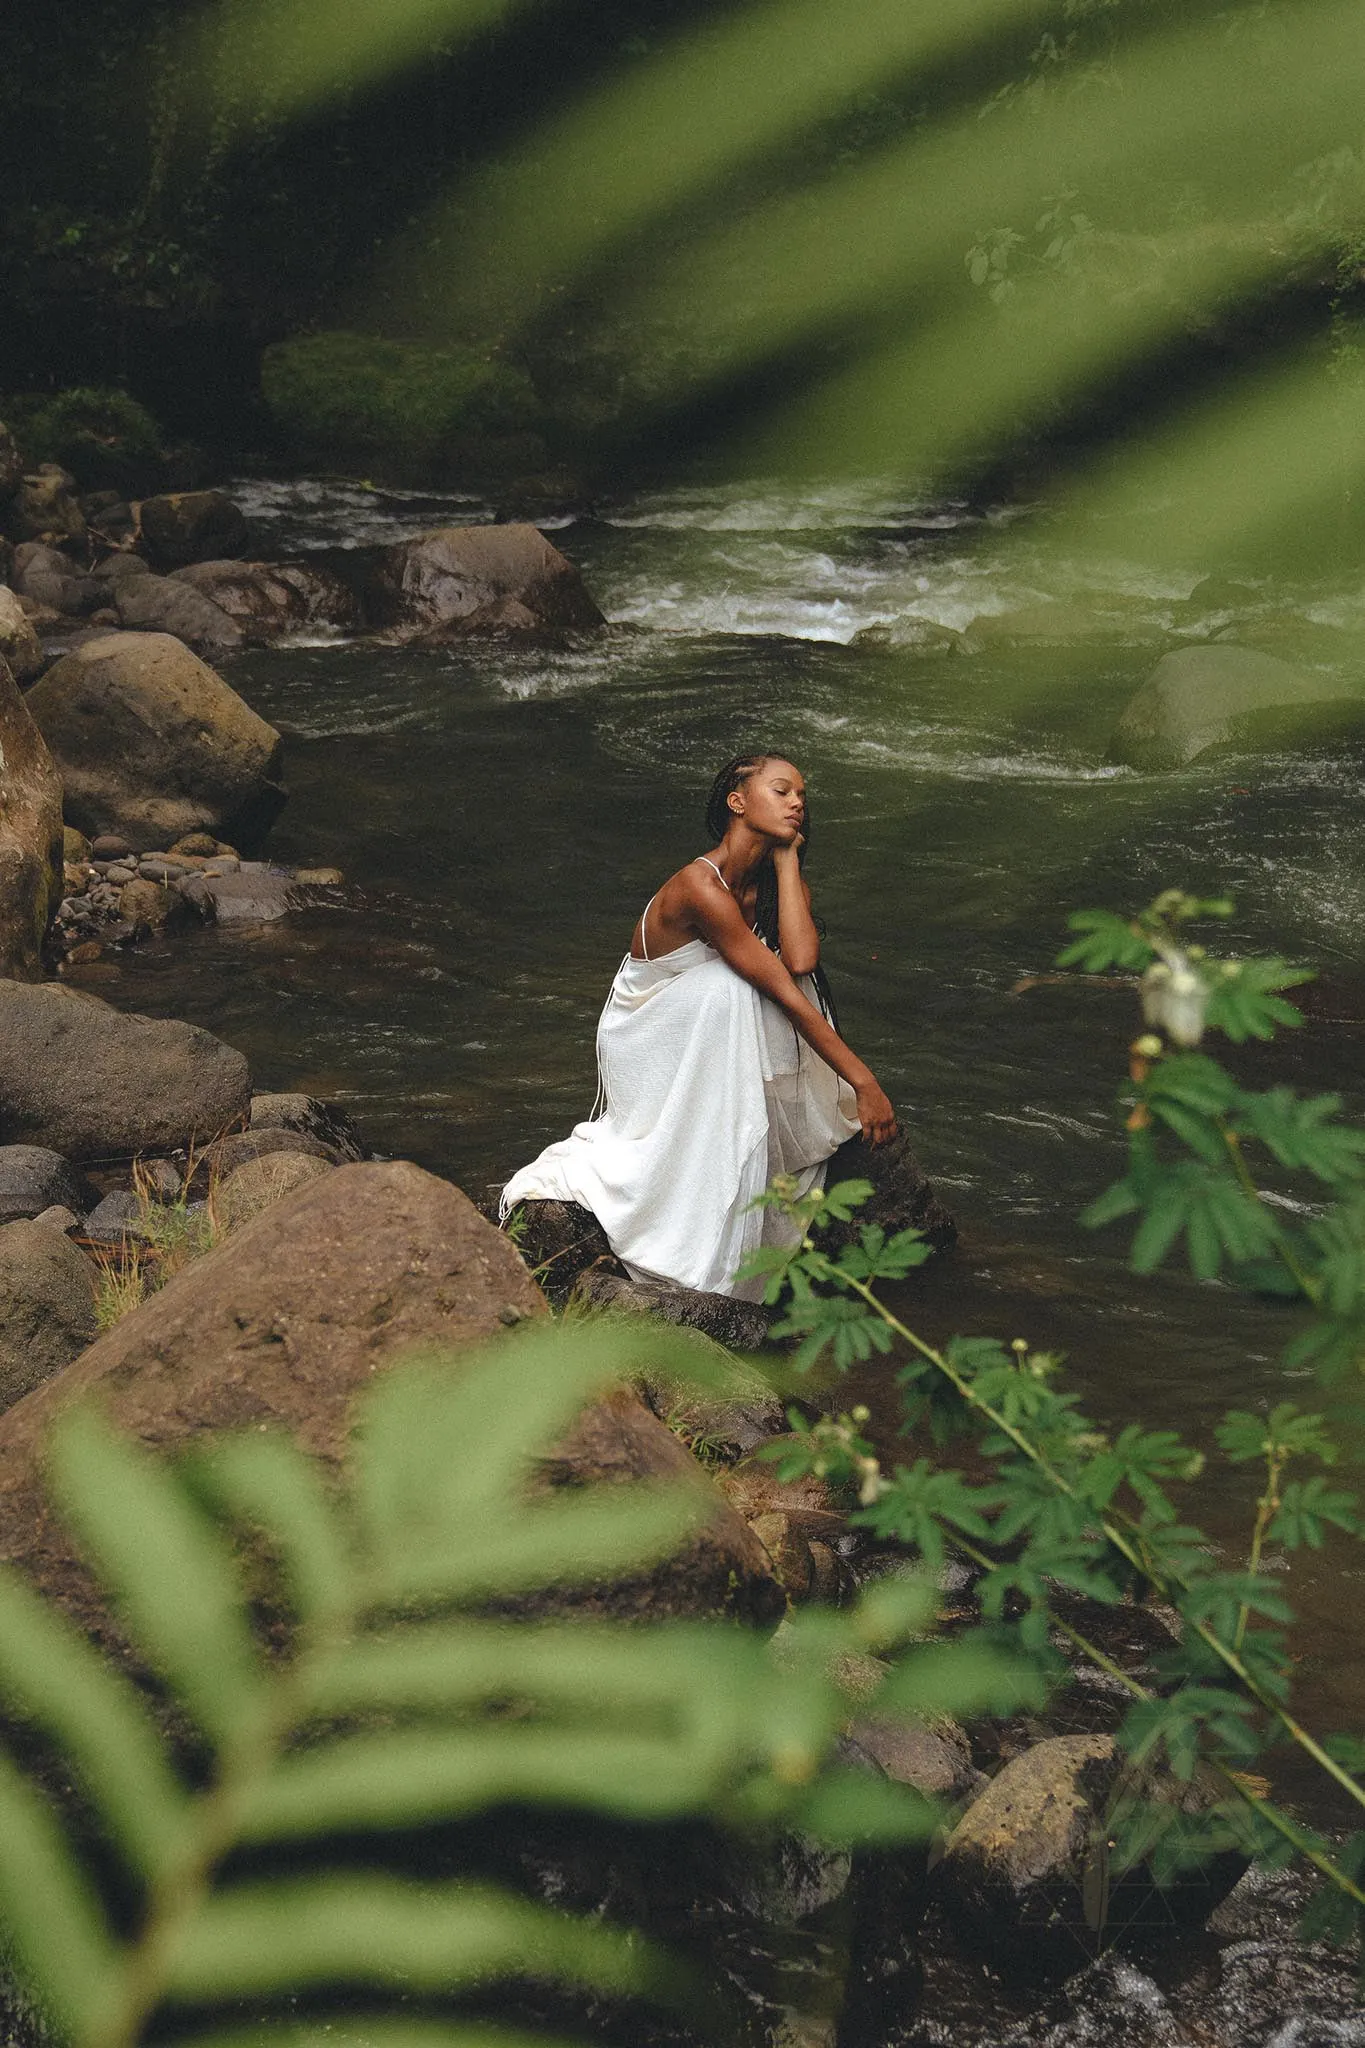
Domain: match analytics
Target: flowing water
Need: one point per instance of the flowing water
(503, 812)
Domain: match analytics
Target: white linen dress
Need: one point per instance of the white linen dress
(707, 1091)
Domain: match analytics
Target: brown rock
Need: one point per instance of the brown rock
(290, 1111)
(933, 1757)
(151, 743)
(47, 1306)
(268, 600)
(258, 1183)
(162, 604)
(145, 904)
(239, 1146)
(789, 1553)
(192, 526)
(722, 1570)
(30, 835)
(19, 644)
(903, 1197)
(93, 1082)
(75, 846)
(478, 579)
(738, 1325)
(755, 1489)
(284, 1324)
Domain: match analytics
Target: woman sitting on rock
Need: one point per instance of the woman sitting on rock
(718, 1060)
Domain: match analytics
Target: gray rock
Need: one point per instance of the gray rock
(269, 600)
(254, 894)
(31, 879)
(739, 1325)
(116, 1219)
(1199, 700)
(151, 743)
(92, 1082)
(115, 567)
(909, 635)
(458, 580)
(47, 1307)
(192, 526)
(162, 604)
(33, 1178)
(19, 644)
(293, 1112)
(932, 1757)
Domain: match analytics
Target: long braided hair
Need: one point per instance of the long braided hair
(719, 817)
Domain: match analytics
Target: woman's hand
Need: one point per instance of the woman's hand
(875, 1113)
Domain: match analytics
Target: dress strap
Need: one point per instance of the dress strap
(644, 941)
(716, 872)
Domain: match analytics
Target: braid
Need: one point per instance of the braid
(733, 776)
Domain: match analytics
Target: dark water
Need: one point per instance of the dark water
(504, 813)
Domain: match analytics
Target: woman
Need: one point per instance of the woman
(718, 1060)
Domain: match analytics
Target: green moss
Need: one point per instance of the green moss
(104, 437)
(361, 395)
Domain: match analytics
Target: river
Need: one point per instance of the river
(503, 812)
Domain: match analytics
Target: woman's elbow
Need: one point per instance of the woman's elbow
(801, 959)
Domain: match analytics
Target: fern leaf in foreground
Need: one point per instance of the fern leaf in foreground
(270, 1865)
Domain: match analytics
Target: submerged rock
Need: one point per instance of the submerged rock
(47, 1306)
(93, 1082)
(479, 579)
(151, 743)
(31, 864)
(1201, 699)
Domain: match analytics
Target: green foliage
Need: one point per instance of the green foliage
(352, 394)
(390, 1697)
(1066, 1505)
(102, 435)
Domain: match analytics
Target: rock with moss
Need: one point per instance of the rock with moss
(104, 436)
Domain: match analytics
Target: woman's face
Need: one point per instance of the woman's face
(773, 801)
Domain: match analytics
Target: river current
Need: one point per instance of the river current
(502, 813)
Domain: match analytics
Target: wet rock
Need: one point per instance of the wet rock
(721, 1570)
(1221, 594)
(458, 580)
(1203, 699)
(162, 604)
(279, 1111)
(192, 526)
(239, 1146)
(45, 507)
(1055, 623)
(1027, 1867)
(19, 645)
(34, 1178)
(739, 1325)
(47, 1307)
(258, 1183)
(92, 1082)
(31, 866)
(269, 600)
(284, 1323)
(910, 635)
(151, 743)
(903, 1197)
(254, 894)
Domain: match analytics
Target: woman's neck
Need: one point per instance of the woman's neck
(741, 854)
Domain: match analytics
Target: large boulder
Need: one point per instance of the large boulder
(19, 644)
(30, 835)
(92, 1082)
(1200, 699)
(34, 1178)
(152, 744)
(1027, 1872)
(479, 579)
(163, 604)
(283, 1324)
(269, 600)
(47, 1306)
(902, 1198)
(192, 526)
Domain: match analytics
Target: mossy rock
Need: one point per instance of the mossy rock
(362, 396)
(105, 438)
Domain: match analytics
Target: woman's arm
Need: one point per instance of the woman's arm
(796, 934)
(717, 919)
